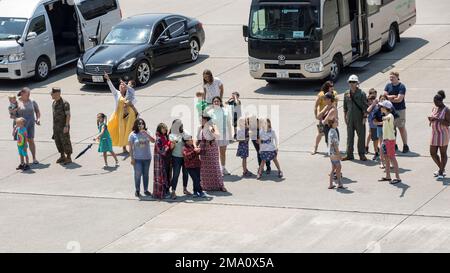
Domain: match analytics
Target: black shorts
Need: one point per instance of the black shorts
(373, 134)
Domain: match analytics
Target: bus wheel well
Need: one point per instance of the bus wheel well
(339, 58)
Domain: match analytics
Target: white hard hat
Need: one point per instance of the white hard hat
(353, 78)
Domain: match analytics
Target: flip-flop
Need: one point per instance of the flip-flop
(384, 179)
(395, 181)
(342, 187)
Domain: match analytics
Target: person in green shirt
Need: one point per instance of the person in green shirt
(355, 111)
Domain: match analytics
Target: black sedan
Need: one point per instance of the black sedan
(141, 45)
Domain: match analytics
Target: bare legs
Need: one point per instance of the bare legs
(441, 161)
(105, 157)
(32, 146)
(223, 153)
(318, 139)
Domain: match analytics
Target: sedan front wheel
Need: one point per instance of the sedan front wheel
(143, 73)
(195, 50)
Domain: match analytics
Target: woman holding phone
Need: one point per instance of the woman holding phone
(141, 156)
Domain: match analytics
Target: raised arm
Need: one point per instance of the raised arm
(114, 91)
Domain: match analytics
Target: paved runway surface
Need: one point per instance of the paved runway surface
(84, 208)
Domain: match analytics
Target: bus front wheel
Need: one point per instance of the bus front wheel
(335, 69)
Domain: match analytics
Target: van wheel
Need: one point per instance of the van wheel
(392, 39)
(143, 73)
(335, 69)
(42, 69)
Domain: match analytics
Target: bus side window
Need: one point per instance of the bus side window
(373, 6)
(344, 12)
(330, 22)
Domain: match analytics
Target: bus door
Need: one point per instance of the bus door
(359, 30)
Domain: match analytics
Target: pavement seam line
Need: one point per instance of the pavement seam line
(136, 228)
(407, 217)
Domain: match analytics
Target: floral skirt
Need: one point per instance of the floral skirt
(268, 156)
(210, 170)
(242, 150)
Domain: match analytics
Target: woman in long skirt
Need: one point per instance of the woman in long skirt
(119, 125)
(161, 161)
(210, 170)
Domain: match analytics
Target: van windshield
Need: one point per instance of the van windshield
(10, 28)
(128, 36)
(280, 22)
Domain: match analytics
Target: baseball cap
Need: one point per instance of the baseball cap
(386, 104)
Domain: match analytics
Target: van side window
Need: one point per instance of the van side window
(91, 9)
(178, 28)
(38, 25)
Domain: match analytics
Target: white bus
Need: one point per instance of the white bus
(315, 39)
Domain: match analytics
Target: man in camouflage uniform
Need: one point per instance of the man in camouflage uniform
(61, 126)
(355, 109)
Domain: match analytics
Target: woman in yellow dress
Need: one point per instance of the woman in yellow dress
(120, 125)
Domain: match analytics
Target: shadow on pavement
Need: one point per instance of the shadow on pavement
(158, 76)
(383, 61)
(55, 75)
(403, 187)
(72, 166)
(40, 166)
(345, 191)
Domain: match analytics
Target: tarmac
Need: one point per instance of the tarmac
(83, 208)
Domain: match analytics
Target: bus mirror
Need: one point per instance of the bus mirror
(245, 31)
(318, 33)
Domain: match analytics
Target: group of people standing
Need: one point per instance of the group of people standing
(385, 115)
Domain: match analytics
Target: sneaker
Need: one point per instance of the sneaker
(173, 195)
(26, 167)
(147, 193)
(117, 163)
(137, 194)
(405, 149)
(225, 171)
(268, 171)
(105, 166)
(436, 174)
(20, 167)
(196, 195)
(203, 195)
(35, 162)
(440, 177)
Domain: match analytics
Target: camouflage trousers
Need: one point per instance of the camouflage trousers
(62, 142)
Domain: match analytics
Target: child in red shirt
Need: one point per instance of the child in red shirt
(192, 164)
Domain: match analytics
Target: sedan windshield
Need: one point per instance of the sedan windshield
(279, 22)
(128, 36)
(10, 28)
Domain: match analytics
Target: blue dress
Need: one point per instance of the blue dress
(242, 150)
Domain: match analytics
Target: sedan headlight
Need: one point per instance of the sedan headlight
(127, 64)
(16, 57)
(80, 64)
(314, 67)
(254, 66)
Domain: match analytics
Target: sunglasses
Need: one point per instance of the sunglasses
(352, 82)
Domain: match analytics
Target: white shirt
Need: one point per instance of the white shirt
(212, 90)
(268, 140)
(130, 96)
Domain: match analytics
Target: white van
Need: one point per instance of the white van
(37, 36)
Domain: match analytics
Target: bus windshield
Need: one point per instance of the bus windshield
(281, 22)
(10, 28)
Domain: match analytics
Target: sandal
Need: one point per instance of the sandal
(395, 181)
(331, 187)
(341, 187)
(186, 192)
(259, 176)
(384, 179)
(223, 189)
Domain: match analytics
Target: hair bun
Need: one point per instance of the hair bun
(441, 93)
